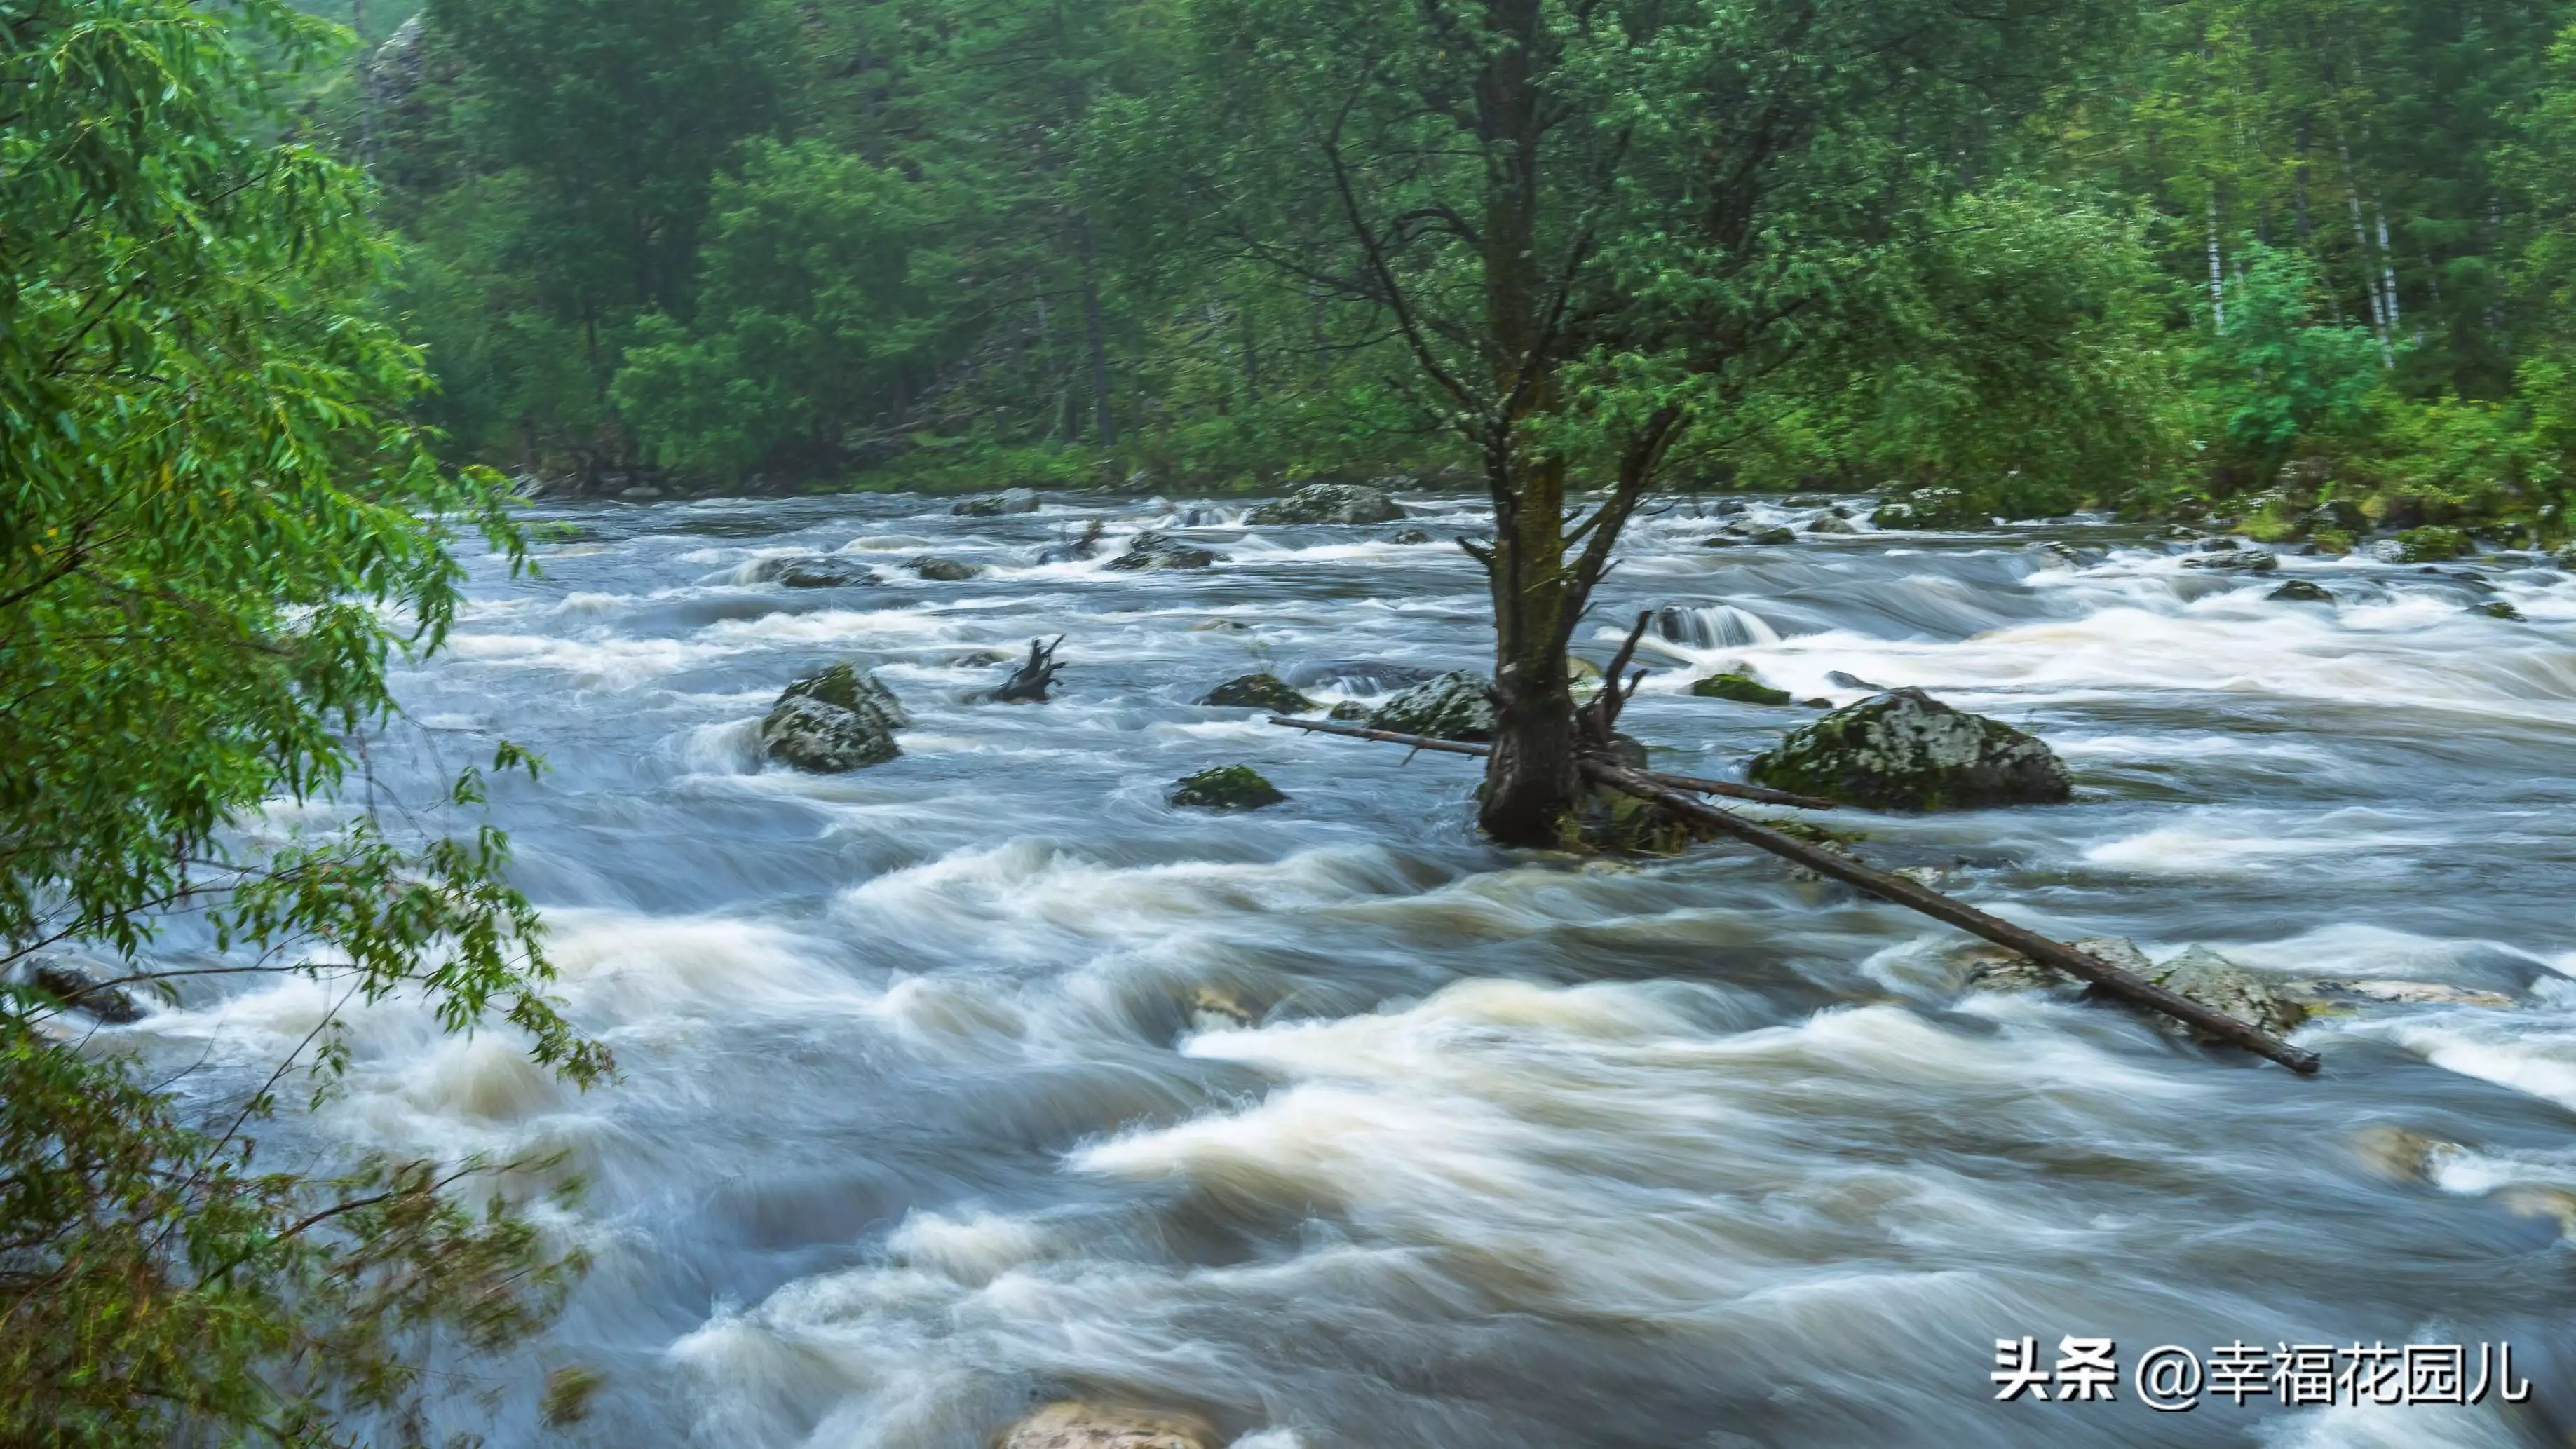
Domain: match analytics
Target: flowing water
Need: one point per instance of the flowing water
(983, 1077)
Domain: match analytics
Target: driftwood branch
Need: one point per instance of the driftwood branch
(1028, 684)
(1601, 721)
(2126, 985)
(1727, 788)
(1670, 793)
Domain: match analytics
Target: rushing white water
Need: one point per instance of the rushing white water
(930, 1107)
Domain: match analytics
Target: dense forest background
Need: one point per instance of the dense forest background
(2284, 252)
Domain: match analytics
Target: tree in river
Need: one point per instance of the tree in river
(1594, 228)
(218, 532)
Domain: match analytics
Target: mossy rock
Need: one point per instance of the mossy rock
(943, 570)
(2424, 545)
(1905, 750)
(1258, 691)
(1455, 706)
(1227, 787)
(1611, 822)
(1741, 688)
(1330, 503)
(2331, 540)
(2499, 610)
(2235, 560)
(1929, 508)
(841, 719)
(1154, 551)
(1350, 711)
(2221, 985)
(2300, 591)
(813, 571)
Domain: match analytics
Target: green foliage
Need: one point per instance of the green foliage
(219, 531)
(2278, 374)
(809, 317)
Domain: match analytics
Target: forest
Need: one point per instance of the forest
(2267, 257)
(312, 308)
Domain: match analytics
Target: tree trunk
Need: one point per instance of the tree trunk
(1095, 330)
(2380, 321)
(2217, 270)
(1533, 780)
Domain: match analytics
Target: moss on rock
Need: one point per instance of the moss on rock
(1455, 706)
(840, 719)
(1905, 750)
(1742, 688)
(1227, 787)
(1258, 691)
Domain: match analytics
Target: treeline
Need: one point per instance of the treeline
(2271, 254)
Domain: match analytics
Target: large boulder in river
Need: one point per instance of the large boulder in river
(840, 719)
(1258, 691)
(1457, 706)
(1330, 503)
(1077, 1425)
(1905, 750)
(1154, 551)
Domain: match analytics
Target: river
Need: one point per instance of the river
(983, 1077)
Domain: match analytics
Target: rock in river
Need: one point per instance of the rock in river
(83, 988)
(2300, 591)
(1009, 500)
(1455, 706)
(813, 571)
(1154, 551)
(1258, 691)
(1228, 787)
(1330, 503)
(1077, 1425)
(942, 570)
(1742, 688)
(840, 719)
(1905, 750)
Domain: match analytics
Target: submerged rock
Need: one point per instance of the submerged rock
(1154, 551)
(1767, 537)
(841, 719)
(1258, 691)
(1009, 500)
(942, 570)
(1227, 787)
(813, 571)
(2300, 591)
(1360, 676)
(84, 989)
(2499, 610)
(2235, 560)
(1456, 706)
(1330, 503)
(1905, 750)
(1742, 688)
(1079, 1425)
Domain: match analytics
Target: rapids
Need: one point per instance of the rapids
(924, 1116)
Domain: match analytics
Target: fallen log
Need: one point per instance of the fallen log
(1669, 792)
(1693, 783)
(2111, 980)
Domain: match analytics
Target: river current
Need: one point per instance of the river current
(984, 1077)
